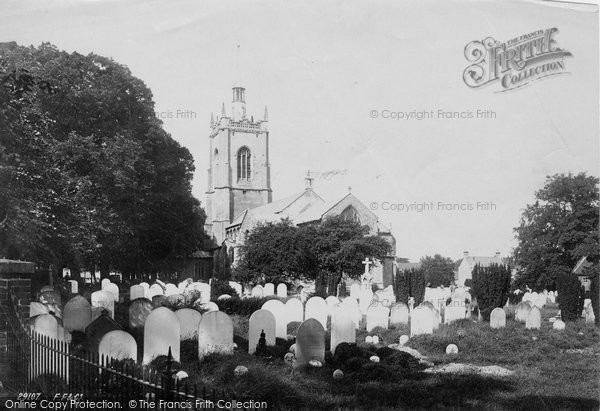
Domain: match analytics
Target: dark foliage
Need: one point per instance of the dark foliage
(219, 287)
(491, 286)
(570, 296)
(239, 306)
(410, 283)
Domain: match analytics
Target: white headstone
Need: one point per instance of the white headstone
(295, 310)
(139, 309)
(171, 289)
(377, 316)
(498, 318)
(104, 300)
(113, 289)
(104, 282)
(365, 299)
(399, 314)
(534, 319)
(74, 286)
(522, 311)
(154, 290)
(282, 290)
(310, 342)
(331, 302)
(261, 320)
(47, 325)
(136, 291)
(209, 306)
(237, 287)
(258, 291)
(590, 317)
(540, 300)
(119, 345)
(215, 334)
(455, 310)
(558, 325)
(352, 306)
(355, 291)
(421, 321)
(161, 331)
(36, 309)
(77, 314)
(316, 308)
(189, 320)
(268, 290)
(342, 327)
(277, 308)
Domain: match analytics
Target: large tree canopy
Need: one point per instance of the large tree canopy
(557, 230)
(438, 270)
(88, 176)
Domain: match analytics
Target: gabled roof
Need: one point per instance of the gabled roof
(581, 265)
(482, 261)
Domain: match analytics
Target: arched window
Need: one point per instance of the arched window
(350, 213)
(244, 160)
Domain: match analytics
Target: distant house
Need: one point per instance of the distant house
(468, 263)
(579, 270)
(401, 267)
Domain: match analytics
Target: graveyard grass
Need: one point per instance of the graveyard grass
(553, 370)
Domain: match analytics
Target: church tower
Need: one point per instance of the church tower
(239, 175)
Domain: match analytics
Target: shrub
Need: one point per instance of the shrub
(595, 292)
(490, 287)
(220, 287)
(570, 296)
(469, 282)
(410, 283)
(239, 306)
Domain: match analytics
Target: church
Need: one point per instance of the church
(239, 194)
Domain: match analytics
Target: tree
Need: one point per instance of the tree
(570, 296)
(410, 283)
(491, 286)
(222, 264)
(439, 271)
(89, 178)
(557, 230)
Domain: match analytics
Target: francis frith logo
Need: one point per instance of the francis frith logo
(516, 62)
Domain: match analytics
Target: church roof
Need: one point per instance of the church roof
(482, 261)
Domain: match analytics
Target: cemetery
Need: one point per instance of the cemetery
(301, 351)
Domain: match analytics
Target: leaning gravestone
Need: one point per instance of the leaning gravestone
(377, 316)
(161, 332)
(268, 290)
(421, 321)
(215, 334)
(534, 319)
(261, 320)
(498, 318)
(310, 343)
(399, 314)
(139, 310)
(316, 308)
(119, 345)
(77, 314)
(522, 311)
(342, 327)
(282, 290)
(98, 329)
(189, 320)
(136, 291)
(104, 300)
(279, 312)
(113, 289)
(294, 310)
(258, 291)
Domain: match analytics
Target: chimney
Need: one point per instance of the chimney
(497, 254)
(465, 254)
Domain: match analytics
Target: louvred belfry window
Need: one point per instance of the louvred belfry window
(244, 164)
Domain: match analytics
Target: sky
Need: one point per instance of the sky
(333, 72)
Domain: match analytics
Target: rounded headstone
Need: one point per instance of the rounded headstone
(240, 370)
(374, 358)
(558, 325)
(403, 339)
(451, 349)
(338, 374)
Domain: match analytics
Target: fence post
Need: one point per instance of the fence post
(167, 377)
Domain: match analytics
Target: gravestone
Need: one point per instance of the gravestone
(590, 317)
(208, 307)
(316, 308)
(534, 319)
(342, 327)
(355, 291)
(104, 282)
(498, 318)
(437, 319)
(558, 325)
(136, 291)
(352, 306)
(331, 302)
(36, 309)
(103, 300)
(50, 297)
(46, 288)
(189, 320)
(171, 289)
(119, 345)
(146, 290)
(77, 314)
(540, 300)
(139, 309)
(215, 334)
(238, 288)
(365, 299)
(46, 324)
(282, 291)
(277, 308)
(155, 290)
(99, 328)
(74, 286)
(377, 316)
(294, 310)
(261, 320)
(399, 314)
(268, 290)
(113, 289)
(223, 297)
(161, 331)
(310, 343)
(421, 321)
(455, 310)
(522, 311)
(258, 291)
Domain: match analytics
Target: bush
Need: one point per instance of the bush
(595, 292)
(570, 296)
(239, 306)
(220, 287)
(491, 286)
(410, 283)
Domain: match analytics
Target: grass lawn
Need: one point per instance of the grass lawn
(553, 370)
